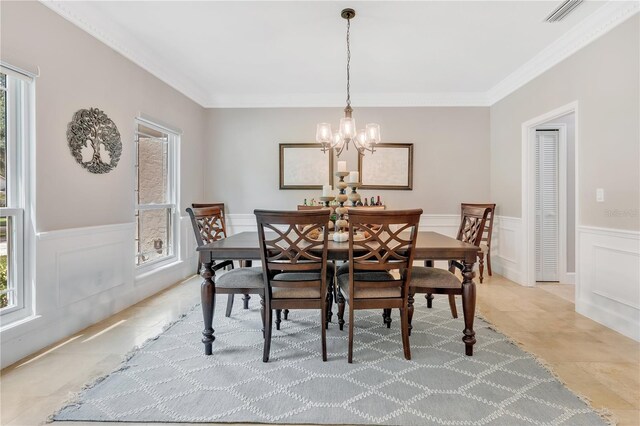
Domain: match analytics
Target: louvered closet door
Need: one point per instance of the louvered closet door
(546, 206)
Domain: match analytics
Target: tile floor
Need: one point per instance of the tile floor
(591, 359)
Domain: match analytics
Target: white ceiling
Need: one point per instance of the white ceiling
(275, 53)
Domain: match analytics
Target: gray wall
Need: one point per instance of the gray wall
(451, 154)
(603, 78)
(78, 71)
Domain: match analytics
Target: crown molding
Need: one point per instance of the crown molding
(309, 100)
(603, 20)
(595, 25)
(129, 48)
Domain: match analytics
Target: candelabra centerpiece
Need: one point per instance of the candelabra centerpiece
(341, 225)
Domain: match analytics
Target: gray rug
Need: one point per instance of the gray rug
(170, 380)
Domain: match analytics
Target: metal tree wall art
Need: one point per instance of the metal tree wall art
(94, 140)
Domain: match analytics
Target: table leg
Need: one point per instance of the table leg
(428, 296)
(329, 304)
(468, 306)
(410, 309)
(208, 299)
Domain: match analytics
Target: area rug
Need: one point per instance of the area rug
(170, 380)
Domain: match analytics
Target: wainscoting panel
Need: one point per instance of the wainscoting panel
(609, 274)
(82, 266)
(85, 275)
(506, 259)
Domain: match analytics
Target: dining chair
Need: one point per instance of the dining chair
(208, 226)
(223, 234)
(485, 244)
(380, 242)
(431, 280)
(293, 249)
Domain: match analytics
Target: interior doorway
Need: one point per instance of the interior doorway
(555, 200)
(549, 196)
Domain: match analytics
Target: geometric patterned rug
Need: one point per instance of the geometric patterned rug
(170, 380)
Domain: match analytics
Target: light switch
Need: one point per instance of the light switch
(600, 195)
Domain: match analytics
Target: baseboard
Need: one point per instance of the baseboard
(625, 325)
(569, 278)
(507, 269)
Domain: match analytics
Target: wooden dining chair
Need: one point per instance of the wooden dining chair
(485, 244)
(208, 226)
(223, 234)
(293, 249)
(385, 243)
(431, 280)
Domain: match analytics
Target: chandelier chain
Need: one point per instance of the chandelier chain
(364, 139)
(348, 63)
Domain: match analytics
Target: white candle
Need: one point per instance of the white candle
(353, 177)
(326, 190)
(342, 166)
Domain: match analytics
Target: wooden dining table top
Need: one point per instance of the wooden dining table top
(429, 246)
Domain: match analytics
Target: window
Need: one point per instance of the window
(13, 188)
(157, 216)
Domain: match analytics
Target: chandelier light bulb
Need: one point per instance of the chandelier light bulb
(338, 142)
(361, 139)
(347, 128)
(373, 133)
(324, 133)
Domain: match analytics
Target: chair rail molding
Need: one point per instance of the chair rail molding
(609, 273)
(84, 275)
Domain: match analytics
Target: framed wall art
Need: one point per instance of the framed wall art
(304, 166)
(390, 167)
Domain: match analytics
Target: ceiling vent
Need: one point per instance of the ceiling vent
(563, 10)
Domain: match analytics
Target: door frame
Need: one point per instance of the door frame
(528, 191)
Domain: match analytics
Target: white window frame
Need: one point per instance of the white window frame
(20, 183)
(173, 194)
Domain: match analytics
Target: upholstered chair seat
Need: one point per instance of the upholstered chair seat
(240, 278)
(300, 292)
(369, 292)
(426, 277)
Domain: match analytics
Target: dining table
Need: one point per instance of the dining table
(430, 246)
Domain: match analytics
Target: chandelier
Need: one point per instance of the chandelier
(364, 139)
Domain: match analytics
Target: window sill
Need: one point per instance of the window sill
(17, 323)
(145, 272)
